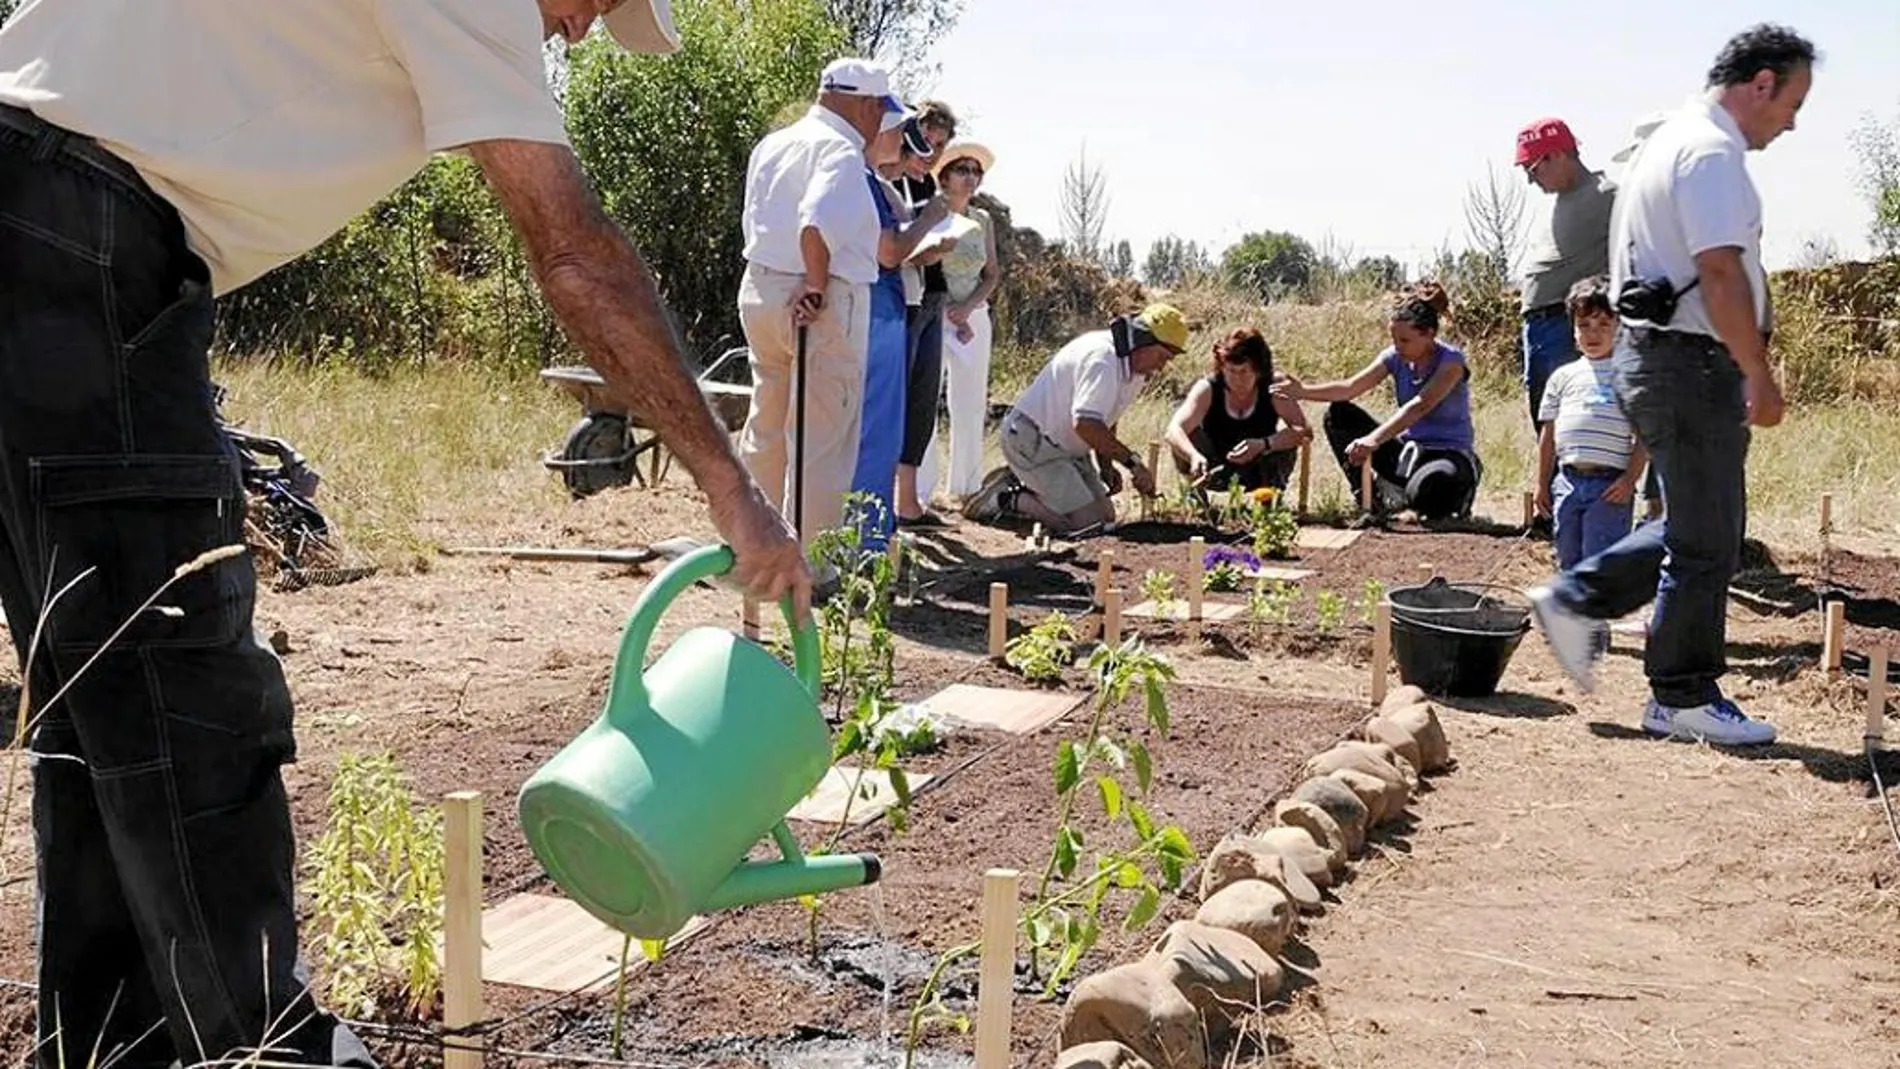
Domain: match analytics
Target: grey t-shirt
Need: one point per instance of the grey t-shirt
(1571, 243)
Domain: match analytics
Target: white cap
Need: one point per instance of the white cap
(1639, 135)
(859, 77)
(894, 119)
(644, 26)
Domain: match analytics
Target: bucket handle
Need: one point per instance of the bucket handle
(629, 683)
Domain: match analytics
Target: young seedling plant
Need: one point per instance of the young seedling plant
(1064, 920)
(1042, 652)
(1275, 530)
(1369, 598)
(1158, 586)
(1270, 602)
(1331, 609)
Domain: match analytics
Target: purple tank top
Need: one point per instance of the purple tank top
(1447, 426)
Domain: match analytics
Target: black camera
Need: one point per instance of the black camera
(1651, 300)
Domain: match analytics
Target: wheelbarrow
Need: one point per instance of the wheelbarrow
(604, 449)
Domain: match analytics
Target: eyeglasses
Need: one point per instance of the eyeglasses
(970, 169)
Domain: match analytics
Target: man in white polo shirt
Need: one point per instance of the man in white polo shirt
(811, 235)
(1691, 372)
(153, 155)
(1068, 415)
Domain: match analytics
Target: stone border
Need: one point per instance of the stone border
(1177, 1007)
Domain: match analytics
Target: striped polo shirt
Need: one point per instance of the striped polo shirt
(1590, 426)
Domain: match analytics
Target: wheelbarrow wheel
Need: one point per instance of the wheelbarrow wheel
(599, 453)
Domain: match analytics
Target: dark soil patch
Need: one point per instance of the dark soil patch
(747, 991)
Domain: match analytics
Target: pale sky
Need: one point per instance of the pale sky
(1368, 118)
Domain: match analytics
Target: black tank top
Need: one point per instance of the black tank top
(1225, 432)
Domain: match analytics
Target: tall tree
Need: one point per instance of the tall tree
(1084, 208)
(1172, 261)
(1494, 217)
(902, 33)
(1121, 260)
(1270, 265)
(1878, 144)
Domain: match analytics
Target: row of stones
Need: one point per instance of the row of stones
(1179, 1006)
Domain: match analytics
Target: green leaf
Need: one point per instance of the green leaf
(1129, 875)
(653, 949)
(1144, 766)
(1106, 750)
(900, 785)
(1066, 843)
(1174, 843)
(1144, 910)
(850, 740)
(1111, 795)
(1170, 869)
(1068, 768)
(1157, 703)
(1144, 825)
(1040, 931)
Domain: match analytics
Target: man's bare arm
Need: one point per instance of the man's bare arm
(1731, 304)
(605, 297)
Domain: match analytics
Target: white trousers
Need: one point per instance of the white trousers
(966, 370)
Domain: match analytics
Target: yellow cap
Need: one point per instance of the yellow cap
(1166, 324)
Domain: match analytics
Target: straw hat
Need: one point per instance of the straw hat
(964, 150)
(644, 26)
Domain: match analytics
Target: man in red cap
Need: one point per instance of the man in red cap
(1569, 244)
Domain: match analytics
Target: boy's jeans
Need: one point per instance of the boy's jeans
(1548, 345)
(1683, 396)
(1586, 523)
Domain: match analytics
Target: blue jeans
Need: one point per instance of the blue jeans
(1548, 345)
(1585, 523)
(167, 901)
(1683, 396)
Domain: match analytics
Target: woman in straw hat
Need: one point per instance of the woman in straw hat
(972, 271)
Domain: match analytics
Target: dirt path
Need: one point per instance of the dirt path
(1576, 895)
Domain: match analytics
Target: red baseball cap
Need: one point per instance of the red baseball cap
(1543, 138)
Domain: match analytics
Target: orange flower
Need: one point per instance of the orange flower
(1266, 495)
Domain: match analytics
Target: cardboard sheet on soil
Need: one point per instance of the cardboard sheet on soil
(826, 804)
(1326, 538)
(1210, 610)
(1019, 712)
(552, 944)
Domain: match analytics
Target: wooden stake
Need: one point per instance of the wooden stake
(1112, 619)
(1197, 569)
(1832, 638)
(1306, 473)
(1154, 469)
(1877, 693)
(462, 929)
(1365, 485)
(999, 618)
(1035, 537)
(1104, 576)
(1381, 649)
(1827, 515)
(749, 619)
(1530, 509)
(995, 992)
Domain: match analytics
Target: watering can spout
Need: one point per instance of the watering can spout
(771, 881)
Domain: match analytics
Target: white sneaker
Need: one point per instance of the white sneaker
(1721, 722)
(1574, 638)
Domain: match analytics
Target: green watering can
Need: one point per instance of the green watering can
(644, 819)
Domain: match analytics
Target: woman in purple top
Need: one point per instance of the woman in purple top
(1423, 454)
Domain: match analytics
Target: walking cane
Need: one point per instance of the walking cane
(798, 443)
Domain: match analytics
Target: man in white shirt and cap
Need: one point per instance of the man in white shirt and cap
(811, 242)
(154, 155)
(1691, 373)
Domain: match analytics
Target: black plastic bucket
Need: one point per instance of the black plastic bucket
(1456, 638)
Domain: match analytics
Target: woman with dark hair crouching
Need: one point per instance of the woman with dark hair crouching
(1423, 455)
(1229, 429)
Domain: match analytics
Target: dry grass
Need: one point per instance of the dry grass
(411, 457)
(408, 457)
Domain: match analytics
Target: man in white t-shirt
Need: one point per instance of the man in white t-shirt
(1068, 414)
(1691, 372)
(153, 155)
(811, 235)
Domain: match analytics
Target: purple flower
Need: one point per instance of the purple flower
(1234, 555)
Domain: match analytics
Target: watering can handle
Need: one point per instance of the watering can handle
(704, 563)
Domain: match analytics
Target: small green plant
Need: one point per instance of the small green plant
(1270, 602)
(1065, 918)
(1158, 586)
(859, 655)
(375, 884)
(1331, 608)
(1275, 530)
(1369, 598)
(1044, 650)
(1224, 569)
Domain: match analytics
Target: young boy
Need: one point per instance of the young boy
(1588, 462)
